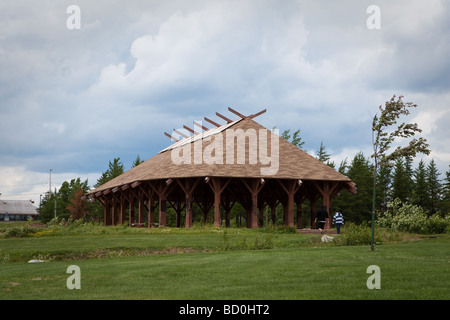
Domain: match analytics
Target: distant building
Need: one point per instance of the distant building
(17, 210)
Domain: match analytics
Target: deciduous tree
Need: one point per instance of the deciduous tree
(384, 134)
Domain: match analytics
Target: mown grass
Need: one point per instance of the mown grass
(210, 264)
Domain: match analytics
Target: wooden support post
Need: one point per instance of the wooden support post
(123, 209)
(217, 186)
(188, 206)
(290, 187)
(151, 213)
(162, 211)
(141, 209)
(254, 186)
(107, 213)
(114, 213)
(161, 189)
(188, 186)
(327, 191)
(131, 212)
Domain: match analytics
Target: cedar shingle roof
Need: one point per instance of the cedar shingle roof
(294, 163)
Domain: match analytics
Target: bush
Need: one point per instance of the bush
(354, 235)
(410, 218)
(20, 232)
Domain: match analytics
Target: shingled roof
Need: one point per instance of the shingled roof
(294, 163)
(24, 207)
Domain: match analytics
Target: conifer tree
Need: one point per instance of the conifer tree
(445, 203)
(419, 194)
(434, 187)
(115, 169)
(137, 162)
(383, 186)
(401, 181)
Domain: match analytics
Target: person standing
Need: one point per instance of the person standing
(321, 217)
(338, 220)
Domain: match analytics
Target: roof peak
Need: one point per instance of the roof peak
(187, 133)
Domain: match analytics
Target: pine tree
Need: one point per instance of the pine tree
(137, 162)
(401, 181)
(434, 187)
(115, 169)
(322, 155)
(419, 195)
(383, 187)
(358, 207)
(445, 203)
(296, 139)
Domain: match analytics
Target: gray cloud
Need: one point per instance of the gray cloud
(74, 99)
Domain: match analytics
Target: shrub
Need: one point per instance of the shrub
(355, 235)
(20, 232)
(410, 218)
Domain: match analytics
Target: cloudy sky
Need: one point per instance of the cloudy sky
(73, 99)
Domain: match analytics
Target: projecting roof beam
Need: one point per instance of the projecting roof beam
(201, 126)
(181, 133)
(237, 113)
(224, 118)
(171, 137)
(256, 114)
(135, 184)
(190, 130)
(212, 122)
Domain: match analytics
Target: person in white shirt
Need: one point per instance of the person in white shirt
(338, 220)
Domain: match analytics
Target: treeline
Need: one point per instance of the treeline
(69, 202)
(420, 186)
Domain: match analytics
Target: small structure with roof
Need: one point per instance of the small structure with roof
(17, 210)
(239, 161)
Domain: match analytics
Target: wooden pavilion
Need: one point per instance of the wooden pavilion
(208, 167)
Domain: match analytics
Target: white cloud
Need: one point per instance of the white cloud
(18, 183)
(113, 88)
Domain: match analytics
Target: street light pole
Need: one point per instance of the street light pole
(55, 202)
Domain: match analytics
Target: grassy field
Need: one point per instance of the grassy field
(210, 264)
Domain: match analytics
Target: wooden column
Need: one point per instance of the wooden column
(162, 210)
(106, 210)
(326, 189)
(188, 186)
(147, 191)
(290, 187)
(141, 208)
(254, 186)
(217, 185)
(161, 188)
(107, 214)
(114, 213)
(131, 219)
(123, 208)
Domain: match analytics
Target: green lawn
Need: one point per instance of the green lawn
(294, 268)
